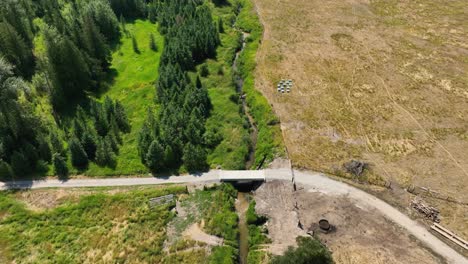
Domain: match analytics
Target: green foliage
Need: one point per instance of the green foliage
(79, 158)
(60, 166)
(220, 25)
(71, 74)
(21, 130)
(89, 223)
(184, 107)
(204, 72)
(14, 49)
(88, 141)
(155, 157)
(269, 139)
(309, 251)
(194, 157)
(223, 255)
(6, 173)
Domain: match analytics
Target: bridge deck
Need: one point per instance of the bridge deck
(226, 176)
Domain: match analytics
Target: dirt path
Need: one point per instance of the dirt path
(197, 234)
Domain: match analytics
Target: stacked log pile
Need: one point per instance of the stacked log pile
(428, 211)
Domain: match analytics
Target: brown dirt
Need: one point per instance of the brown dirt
(383, 81)
(361, 236)
(195, 232)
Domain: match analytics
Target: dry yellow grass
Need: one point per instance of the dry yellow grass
(382, 81)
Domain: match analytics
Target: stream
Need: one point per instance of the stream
(242, 204)
(239, 87)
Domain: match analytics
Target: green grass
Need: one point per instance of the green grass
(120, 227)
(134, 87)
(257, 236)
(269, 142)
(233, 150)
(215, 206)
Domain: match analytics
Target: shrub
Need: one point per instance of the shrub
(309, 251)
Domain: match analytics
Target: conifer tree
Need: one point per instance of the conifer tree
(60, 166)
(155, 156)
(6, 173)
(204, 72)
(121, 117)
(101, 156)
(123, 24)
(79, 158)
(88, 141)
(15, 50)
(194, 157)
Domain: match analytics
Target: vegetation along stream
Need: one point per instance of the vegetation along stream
(245, 109)
(242, 204)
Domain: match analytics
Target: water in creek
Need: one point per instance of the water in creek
(242, 204)
(239, 85)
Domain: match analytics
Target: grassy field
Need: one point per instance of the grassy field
(380, 81)
(101, 226)
(115, 225)
(133, 85)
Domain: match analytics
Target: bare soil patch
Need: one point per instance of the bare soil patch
(381, 81)
(361, 235)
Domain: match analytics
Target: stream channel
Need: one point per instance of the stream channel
(242, 203)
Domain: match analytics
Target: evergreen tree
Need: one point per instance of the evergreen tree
(60, 166)
(121, 117)
(79, 158)
(204, 72)
(123, 24)
(6, 173)
(95, 43)
(104, 18)
(101, 156)
(194, 157)
(45, 152)
(101, 122)
(88, 141)
(111, 158)
(70, 72)
(20, 164)
(112, 141)
(56, 142)
(155, 157)
(15, 50)
(198, 83)
(135, 45)
(152, 44)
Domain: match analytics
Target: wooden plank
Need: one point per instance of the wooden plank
(451, 233)
(450, 237)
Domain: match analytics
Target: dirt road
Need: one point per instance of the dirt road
(314, 181)
(320, 183)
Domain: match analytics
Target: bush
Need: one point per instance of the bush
(309, 251)
(204, 72)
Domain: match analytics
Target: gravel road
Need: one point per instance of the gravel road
(315, 181)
